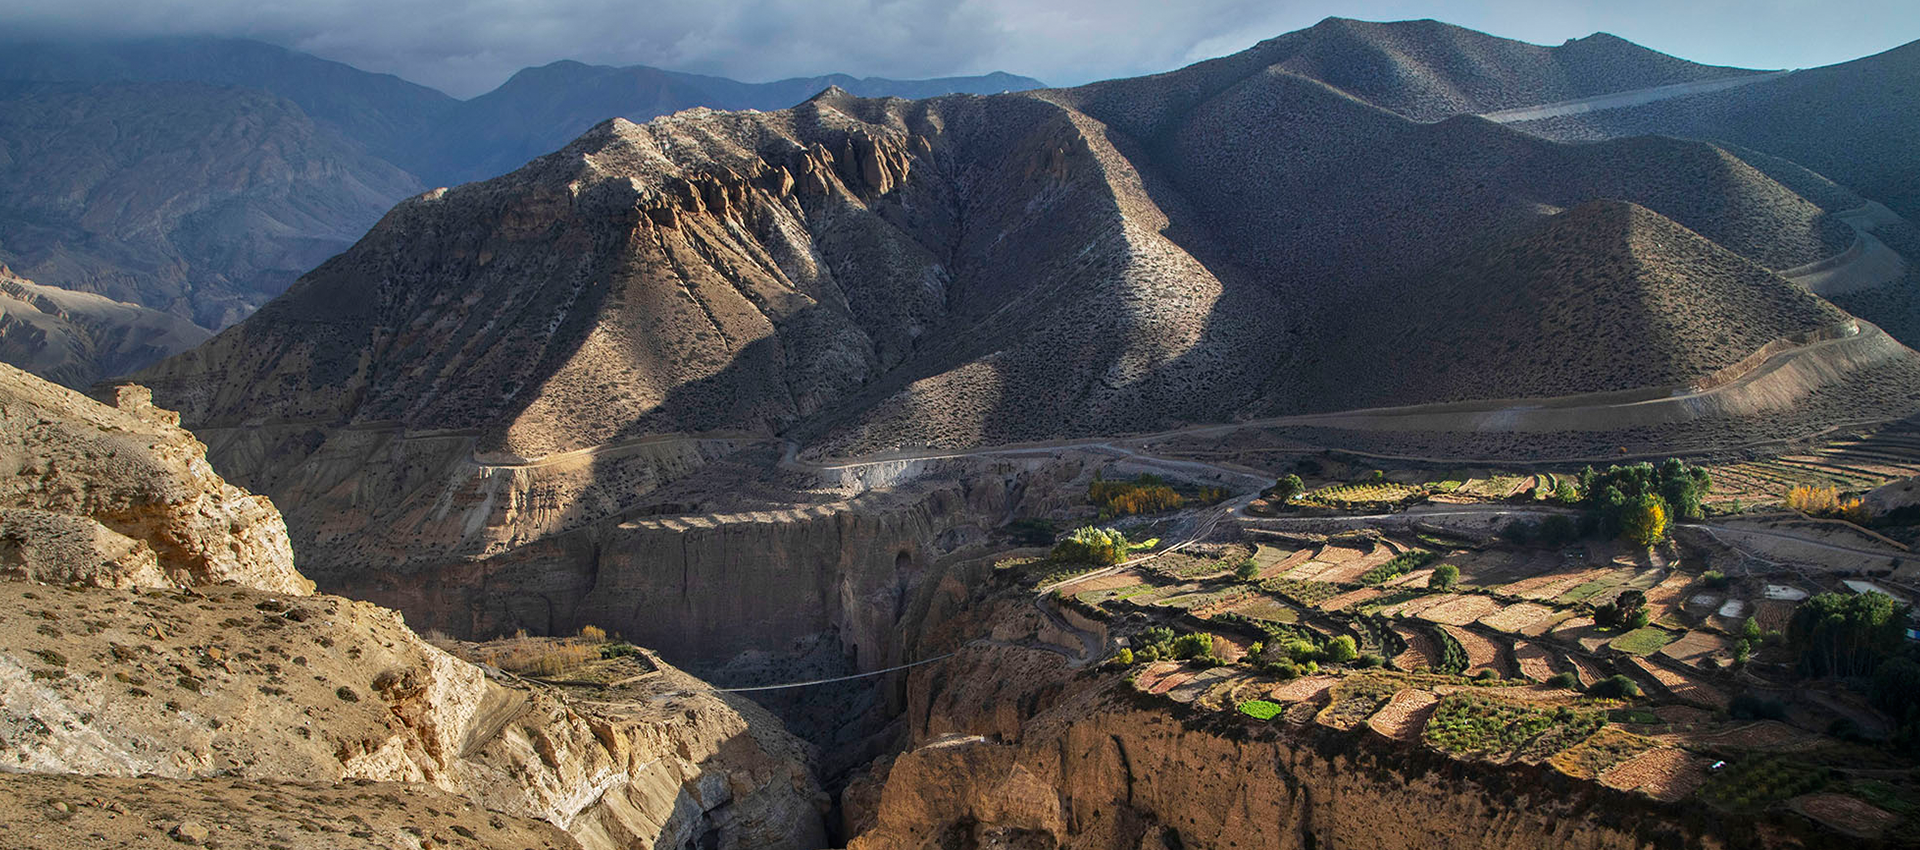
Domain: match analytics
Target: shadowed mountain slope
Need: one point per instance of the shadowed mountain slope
(199, 201)
(1853, 123)
(1606, 296)
(77, 338)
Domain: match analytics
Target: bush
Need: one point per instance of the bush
(1563, 679)
(1340, 650)
(1615, 687)
(1518, 531)
(1640, 619)
(1193, 645)
(1302, 651)
(1124, 657)
(593, 634)
(1400, 564)
(1444, 577)
(1715, 579)
(1247, 571)
(1623, 610)
(1371, 660)
(1486, 675)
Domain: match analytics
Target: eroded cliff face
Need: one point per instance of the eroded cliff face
(123, 497)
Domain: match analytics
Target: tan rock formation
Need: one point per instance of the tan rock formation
(77, 338)
(123, 497)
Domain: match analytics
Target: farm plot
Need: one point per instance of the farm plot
(1666, 596)
(1535, 661)
(1304, 689)
(1482, 654)
(1355, 700)
(1153, 673)
(1666, 774)
(1582, 631)
(1420, 654)
(1404, 715)
(1684, 688)
(1361, 495)
(1461, 610)
(1350, 572)
(1642, 641)
(1261, 606)
(1274, 560)
(1413, 607)
(1773, 615)
(1306, 593)
(1604, 749)
(1350, 598)
(1697, 649)
(1849, 815)
(1471, 724)
(1585, 670)
(1514, 619)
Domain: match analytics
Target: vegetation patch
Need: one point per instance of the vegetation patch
(1468, 724)
(1755, 782)
(1401, 564)
(1602, 750)
(1642, 641)
(1260, 709)
(1304, 593)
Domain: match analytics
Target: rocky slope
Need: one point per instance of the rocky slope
(77, 338)
(155, 627)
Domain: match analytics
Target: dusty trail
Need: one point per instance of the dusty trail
(1618, 100)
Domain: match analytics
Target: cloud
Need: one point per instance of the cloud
(468, 46)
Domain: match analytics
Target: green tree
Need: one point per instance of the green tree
(1124, 657)
(1615, 687)
(1623, 610)
(1340, 650)
(1644, 521)
(1444, 577)
(1285, 489)
(1247, 570)
(1565, 493)
(1846, 634)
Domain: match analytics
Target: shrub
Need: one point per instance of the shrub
(1518, 531)
(593, 634)
(1640, 619)
(1247, 571)
(1563, 679)
(1565, 493)
(1615, 687)
(1715, 579)
(1622, 610)
(1486, 675)
(1371, 660)
(1124, 657)
(346, 694)
(1302, 651)
(1444, 577)
(1192, 645)
(620, 649)
(1400, 564)
(1340, 650)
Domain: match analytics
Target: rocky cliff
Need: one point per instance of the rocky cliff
(154, 625)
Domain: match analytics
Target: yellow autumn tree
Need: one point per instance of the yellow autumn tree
(1645, 521)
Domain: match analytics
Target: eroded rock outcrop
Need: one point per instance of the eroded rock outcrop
(123, 497)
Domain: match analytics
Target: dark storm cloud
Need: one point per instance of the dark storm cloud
(468, 46)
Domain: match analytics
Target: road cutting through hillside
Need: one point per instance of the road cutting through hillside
(1624, 99)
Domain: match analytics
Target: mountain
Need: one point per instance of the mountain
(199, 201)
(381, 111)
(200, 176)
(865, 275)
(77, 338)
(540, 109)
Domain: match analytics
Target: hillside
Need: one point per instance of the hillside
(77, 338)
(1606, 296)
(1852, 122)
(198, 201)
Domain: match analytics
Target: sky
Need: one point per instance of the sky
(466, 47)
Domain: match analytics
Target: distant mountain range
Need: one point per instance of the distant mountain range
(200, 176)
